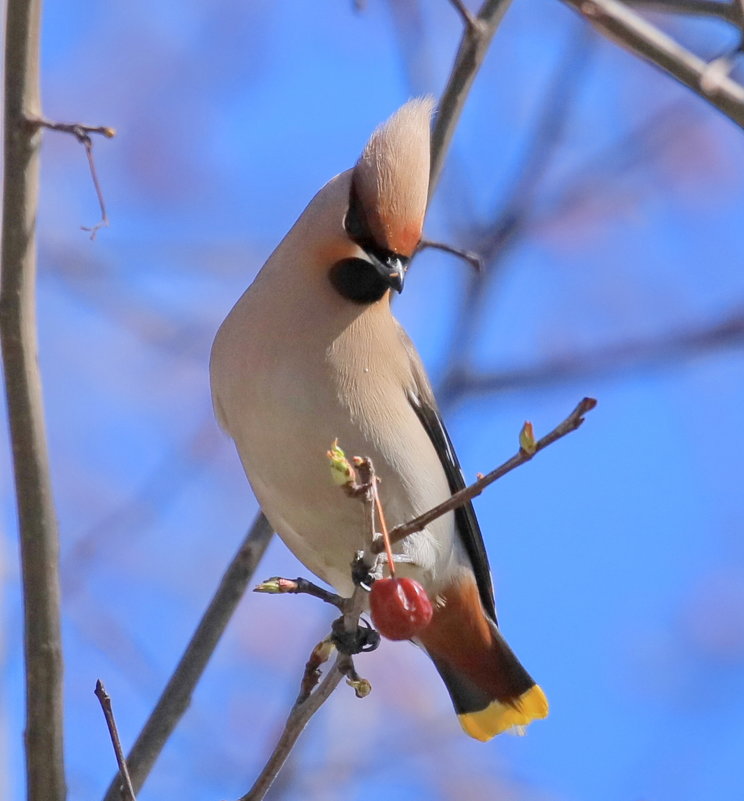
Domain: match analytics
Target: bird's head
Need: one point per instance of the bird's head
(387, 203)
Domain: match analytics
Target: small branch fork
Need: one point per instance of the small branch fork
(83, 134)
(347, 637)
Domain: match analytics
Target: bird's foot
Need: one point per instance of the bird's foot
(364, 639)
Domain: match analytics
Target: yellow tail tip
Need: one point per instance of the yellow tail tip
(498, 717)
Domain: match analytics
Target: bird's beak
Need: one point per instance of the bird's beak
(391, 268)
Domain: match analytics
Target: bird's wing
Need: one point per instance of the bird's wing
(422, 400)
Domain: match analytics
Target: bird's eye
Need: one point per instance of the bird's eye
(357, 280)
(355, 221)
(353, 224)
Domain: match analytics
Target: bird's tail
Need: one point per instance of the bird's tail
(490, 689)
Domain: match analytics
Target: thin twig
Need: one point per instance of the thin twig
(630, 30)
(37, 520)
(127, 791)
(571, 423)
(299, 586)
(77, 129)
(474, 259)
(82, 133)
(177, 694)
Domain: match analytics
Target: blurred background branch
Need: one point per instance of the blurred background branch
(615, 20)
(478, 31)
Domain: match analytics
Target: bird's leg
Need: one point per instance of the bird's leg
(364, 639)
(362, 573)
(398, 558)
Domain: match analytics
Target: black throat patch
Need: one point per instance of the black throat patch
(358, 280)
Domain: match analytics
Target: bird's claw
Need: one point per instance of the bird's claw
(364, 639)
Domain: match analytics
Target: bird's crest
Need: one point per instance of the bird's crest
(391, 178)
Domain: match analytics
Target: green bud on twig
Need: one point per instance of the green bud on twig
(276, 585)
(342, 473)
(527, 438)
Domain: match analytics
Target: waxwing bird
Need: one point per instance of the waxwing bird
(311, 353)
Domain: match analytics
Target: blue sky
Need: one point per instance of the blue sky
(617, 554)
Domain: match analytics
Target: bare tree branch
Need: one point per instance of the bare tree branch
(36, 514)
(177, 694)
(127, 791)
(299, 718)
(618, 22)
(473, 47)
(496, 239)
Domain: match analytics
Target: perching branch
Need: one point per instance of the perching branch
(82, 133)
(36, 514)
(364, 486)
(127, 791)
(308, 702)
(618, 22)
(177, 694)
(571, 423)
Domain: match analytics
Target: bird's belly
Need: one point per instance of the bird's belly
(283, 441)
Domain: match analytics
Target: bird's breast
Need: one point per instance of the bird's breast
(285, 407)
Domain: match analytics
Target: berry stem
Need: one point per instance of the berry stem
(385, 535)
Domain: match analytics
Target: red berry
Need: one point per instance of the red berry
(400, 607)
